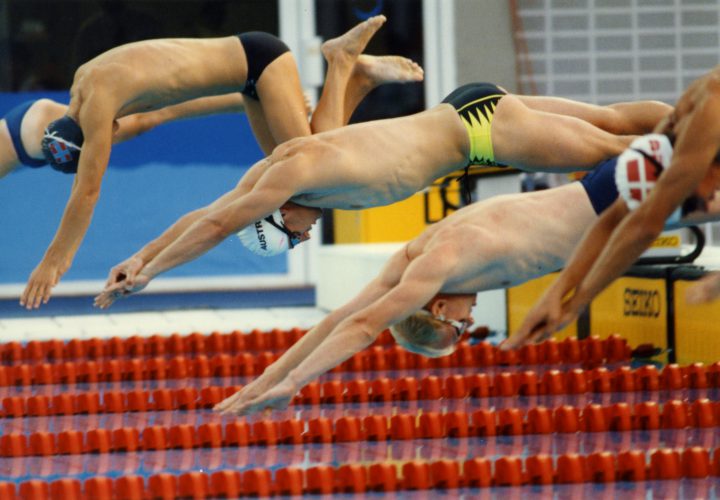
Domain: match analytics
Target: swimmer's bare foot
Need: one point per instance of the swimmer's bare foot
(350, 45)
(376, 70)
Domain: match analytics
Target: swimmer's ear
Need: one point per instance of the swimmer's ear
(438, 306)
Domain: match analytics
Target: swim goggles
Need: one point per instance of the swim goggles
(460, 326)
(294, 238)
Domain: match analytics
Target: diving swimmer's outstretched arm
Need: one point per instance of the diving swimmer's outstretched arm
(421, 281)
(201, 231)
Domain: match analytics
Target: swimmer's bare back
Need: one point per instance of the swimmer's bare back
(152, 74)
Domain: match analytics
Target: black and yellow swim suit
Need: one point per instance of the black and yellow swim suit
(475, 103)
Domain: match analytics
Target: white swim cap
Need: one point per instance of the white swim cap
(265, 238)
(639, 167)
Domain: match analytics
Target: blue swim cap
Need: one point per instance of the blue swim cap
(62, 143)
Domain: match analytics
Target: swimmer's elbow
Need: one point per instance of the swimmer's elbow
(214, 228)
(363, 329)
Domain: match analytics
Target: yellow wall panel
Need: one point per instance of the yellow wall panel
(401, 221)
(697, 329)
(635, 308)
(522, 298)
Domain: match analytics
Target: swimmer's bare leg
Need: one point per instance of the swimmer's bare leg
(341, 53)
(625, 118)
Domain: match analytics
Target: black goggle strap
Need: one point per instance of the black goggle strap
(464, 181)
(293, 238)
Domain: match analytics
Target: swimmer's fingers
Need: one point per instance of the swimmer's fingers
(277, 398)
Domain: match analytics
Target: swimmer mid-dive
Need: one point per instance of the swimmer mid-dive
(143, 77)
(426, 290)
(381, 162)
(688, 157)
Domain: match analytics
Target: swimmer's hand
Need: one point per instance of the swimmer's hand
(42, 280)
(253, 390)
(125, 271)
(276, 398)
(704, 291)
(119, 290)
(546, 317)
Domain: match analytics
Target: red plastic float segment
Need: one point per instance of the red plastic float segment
(42, 444)
(675, 415)
(646, 416)
(237, 433)
(97, 488)
(624, 379)
(138, 400)
(528, 383)
(477, 472)
(445, 474)
(571, 468)
(456, 424)
(126, 439)
(672, 378)
(70, 442)
(430, 426)
(540, 420)
(566, 419)
(225, 484)
(163, 486)
(155, 437)
(416, 475)
(431, 387)
(620, 417)
(602, 467)
(332, 392)
(264, 432)
(665, 464)
(38, 406)
(210, 435)
(320, 430)
(320, 480)
(358, 391)
(402, 427)
(182, 436)
(130, 488)
(696, 376)
(34, 489)
(291, 431)
(382, 477)
(553, 382)
(348, 429)
(63, 404)
(98, 441)
(631, 466)
(66, 489)
(257, 482)
(696, 463)
(381, 390)
(647, 378)
(484, 422)
(594, 418)
(508, 471)
(288, 481)
(375, 427)
(540, 469)
(509, 422)
(352, 478)
(193, 485)
(702, 412)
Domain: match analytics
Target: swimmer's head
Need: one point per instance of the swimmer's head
(62, 143)
(284, 229)
(435, 330)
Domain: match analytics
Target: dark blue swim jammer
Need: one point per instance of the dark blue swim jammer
(600, 185)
